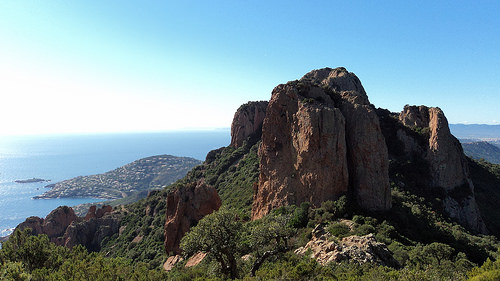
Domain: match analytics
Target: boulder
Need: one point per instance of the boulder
(186, 205)
(171, 262)
(360, 249)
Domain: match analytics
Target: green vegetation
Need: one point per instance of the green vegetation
(26, 257)
(424, 242)
(486, 178)
(233, 172)
(141, 238)
(482, 150)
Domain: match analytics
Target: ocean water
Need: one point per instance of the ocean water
(61, 157)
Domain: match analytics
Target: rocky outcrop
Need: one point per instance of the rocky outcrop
(64, 228)
(247, 122)
(448, 168)
(90, 233)
(360, 249)
(186, 205)
(54, 225)
(366, 150)
(97, 213)
(321, 138)
(303, 150)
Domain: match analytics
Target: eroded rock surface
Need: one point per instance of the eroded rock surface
(54, 225)
(247, 122)
(360, 249)
(185, 207)
(321, 138)
(64, 228)
(448, 168)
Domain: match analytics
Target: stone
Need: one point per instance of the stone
(303, 150)
(448, 169)
(195, 259)
(186, 205)
(171, 262)
(366, 150)
(360, 249)
(321, 138)
(247, 122)
(97, 213)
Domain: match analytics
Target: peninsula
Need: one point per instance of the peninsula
(148, 173)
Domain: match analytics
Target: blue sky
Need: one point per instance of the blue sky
(109, 66)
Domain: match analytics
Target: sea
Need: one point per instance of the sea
(60, 157)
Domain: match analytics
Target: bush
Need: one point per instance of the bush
(338, 229)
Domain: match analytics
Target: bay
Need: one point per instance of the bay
(61, 157)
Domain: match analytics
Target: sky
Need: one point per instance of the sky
(136, 66)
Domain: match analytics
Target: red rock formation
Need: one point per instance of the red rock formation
(247, 121)
(320, 138)
(185, 207)
(303, 150)
(97, 213)
(35, 223)
(366, 150)
(447, 162)
(54, 225)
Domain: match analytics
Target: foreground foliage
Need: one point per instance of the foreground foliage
(27, 257)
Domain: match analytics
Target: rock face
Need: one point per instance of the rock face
(97, 213)
(447, 163)
(321, 139)
(185, 207)
(54, 225)
(366, 150)
(360, 249)
(89, 232)
(64, 228)
(247, 122)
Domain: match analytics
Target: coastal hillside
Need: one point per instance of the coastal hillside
(144, 174)
(316, 184)
(482, 150)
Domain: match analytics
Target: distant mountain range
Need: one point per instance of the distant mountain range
(479, 141)
(476, 131)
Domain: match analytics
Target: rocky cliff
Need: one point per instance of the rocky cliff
(321, 138)
(64, 228)
(247, 122)
(447, 165)
(186, 205)
(54, 225)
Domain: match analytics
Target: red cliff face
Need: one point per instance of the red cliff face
(64, 228)
(247, 121)
(185, 207)
(303, 150)
(321, 138)
(366, 150)
(54, 225)
(447, 163)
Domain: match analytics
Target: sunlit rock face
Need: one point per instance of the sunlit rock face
(247, 122)
(187, 205)
(321, 139)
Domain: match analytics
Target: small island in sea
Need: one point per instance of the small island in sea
(32, 180)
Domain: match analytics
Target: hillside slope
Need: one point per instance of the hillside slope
(148, 173)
